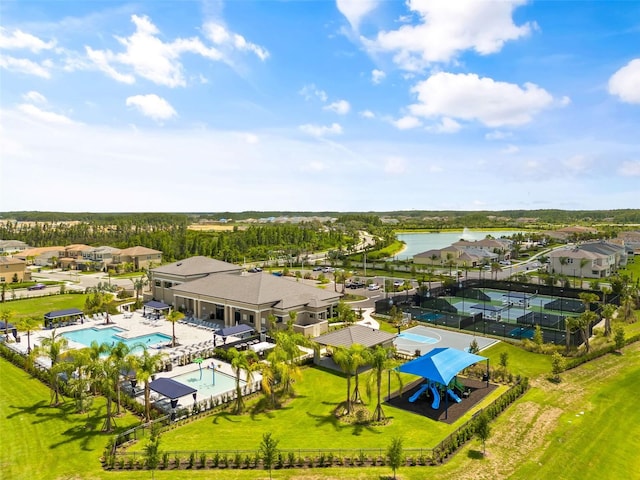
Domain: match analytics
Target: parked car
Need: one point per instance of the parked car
(255, 270)
(317, 269)
(37, 286)
(374, 286)
(398, 283)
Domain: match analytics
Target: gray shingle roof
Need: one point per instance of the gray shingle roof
(197, 266)
(259, 289)
(345, 337)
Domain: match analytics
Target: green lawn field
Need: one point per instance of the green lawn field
(41, 305)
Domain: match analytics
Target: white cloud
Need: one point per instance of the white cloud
(19, 40)
(152, 106)
(311, 91)
(377, 76)
(395, 165)
(469, 97)
(43, 115)
(219, 35)
(321, 130)
(146, 55)
(577, 163)
(367, 114)
(341, 107)
(23, 65)
(356, 10)
(314, 166)
(407, 122)
(34, 97)
(510, 150)
(630, 169)
(448, 28)
(498, 135)
(447, 125)
(625, 83)
(251, 138)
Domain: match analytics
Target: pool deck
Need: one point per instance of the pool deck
(188, 336)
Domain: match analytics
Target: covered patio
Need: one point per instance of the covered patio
(63, 317)
(172, 390)
(155, 308)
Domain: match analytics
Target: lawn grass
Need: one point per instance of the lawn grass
(40, 305)
(39, 441)
(308, 422)
(520, 361)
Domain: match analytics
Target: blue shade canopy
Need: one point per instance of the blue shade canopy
(63, 313)
(235, 330)
(440, 364)
(157, 305)
(169, 388)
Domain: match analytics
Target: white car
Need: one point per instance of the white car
(374, 286)
(398, 283)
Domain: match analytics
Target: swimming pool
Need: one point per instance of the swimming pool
(113, 335)
(208, 382)
(418, 338)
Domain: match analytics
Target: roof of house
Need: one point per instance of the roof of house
(259, 289)
(138, 250)
(499, 243)
(604, 248)
(11, 261)
(428, 254)
(574, 253)
(78, 246)
(345, 337)
(12, 243)
(197, 266)
(105, 248)
(34, 252)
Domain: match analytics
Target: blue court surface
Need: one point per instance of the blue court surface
(427, 338)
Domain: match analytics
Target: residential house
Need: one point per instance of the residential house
(100, 258)
(12, 246)
(588, 260)
(40, 256)
(140, 257)
(71, 257)
(13, 270)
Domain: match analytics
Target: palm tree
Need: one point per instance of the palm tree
(248, 361)
(29, 324)
(583, 263)
(344, 359)
(607, 313)
(146, 366)
(495, 268)
(52, 347)
(138, 285)
(563, 261)
(360, 357)
(381, 360)
(286, 354)
(120, 356)
(173, 317)
(5, 316)
(80, 381)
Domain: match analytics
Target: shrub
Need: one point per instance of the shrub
(203, 460)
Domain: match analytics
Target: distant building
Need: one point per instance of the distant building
(590, 260)
(12, 246)
(13, 270)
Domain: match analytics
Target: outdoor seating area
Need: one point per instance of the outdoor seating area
(198, 323)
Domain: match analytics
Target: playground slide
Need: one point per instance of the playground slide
(436, 397)
(453, 395)
(455, 383)
(419, 392)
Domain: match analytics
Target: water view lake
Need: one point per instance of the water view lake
(421, 242)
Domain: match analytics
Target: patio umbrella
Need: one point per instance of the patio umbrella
(199, 362)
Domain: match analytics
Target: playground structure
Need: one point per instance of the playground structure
(440, 367)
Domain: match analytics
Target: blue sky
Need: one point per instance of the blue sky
(344, 105)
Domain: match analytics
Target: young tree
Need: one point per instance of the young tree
(619, 338)
(152, 450)
(557, 365)
(607, 313)
(483, 429)
(361, 357)
(474, 347)
(268, 451)
(538, 338)
(504, 359)
(395, 454)
(344, 359)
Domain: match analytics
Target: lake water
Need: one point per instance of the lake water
(421, 242)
